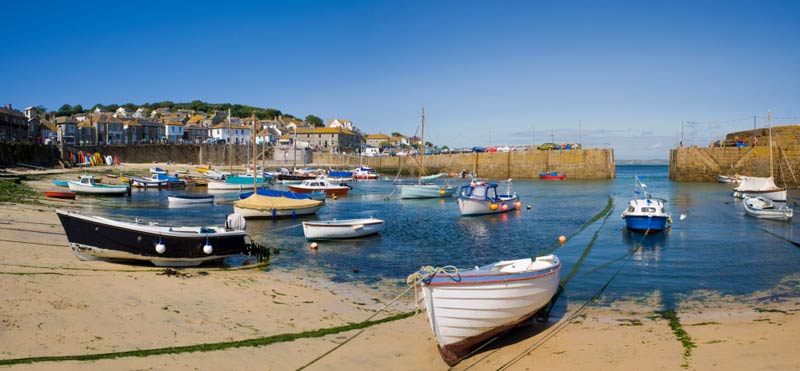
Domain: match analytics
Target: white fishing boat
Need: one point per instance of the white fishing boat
(751, 186)
(365, 173)
(321, 183)
(764, 208)
(728, 178)
(87, 185)
(339, 229)
(465, 308)
(424, 188)
(153, 182)
(190, 199)
(481, 198)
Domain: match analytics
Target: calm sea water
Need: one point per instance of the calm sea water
(714, 247)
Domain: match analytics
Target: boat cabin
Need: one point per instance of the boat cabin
(479, 191)
(87, 180)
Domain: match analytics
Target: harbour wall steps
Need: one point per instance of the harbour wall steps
(703, 164)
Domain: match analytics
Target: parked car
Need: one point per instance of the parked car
(504, 149)
(478, 149)
(548, 146)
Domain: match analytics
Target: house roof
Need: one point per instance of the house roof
(196, 119)
(377, 136)
(303, 130)
(65, 120)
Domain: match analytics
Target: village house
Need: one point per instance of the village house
(131, 131)
(152, 131)
(230, 133)
(66, 130)
(338, 123)
(337, 139)
(215, 118)
(141, 113)
(109, 129)
(375, 140)
(174, 131)
(122, 113)
(194, 133)
(86, 134)
(13, 125)
(398, 141)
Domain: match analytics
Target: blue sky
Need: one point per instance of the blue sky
(608, 74)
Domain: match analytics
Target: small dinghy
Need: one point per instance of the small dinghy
(764, 208)
(466, 308)
(338, 229)
(65, 195)
(60, 183)
(190, 199)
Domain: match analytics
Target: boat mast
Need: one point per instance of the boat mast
(421, 148)
(769, 125)
(230, 153)
(255, 174)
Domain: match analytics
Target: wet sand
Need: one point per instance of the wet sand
(56, 305)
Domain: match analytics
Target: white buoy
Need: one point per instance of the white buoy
(208, 249)
(683, 216)
(160, 247)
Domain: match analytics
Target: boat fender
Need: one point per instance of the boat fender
(207, 249)
(160, 247)
(493, 206)
(235, 222)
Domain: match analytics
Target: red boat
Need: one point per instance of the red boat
(69, 195)
(552, 176)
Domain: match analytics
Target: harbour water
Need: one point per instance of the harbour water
(712, 247)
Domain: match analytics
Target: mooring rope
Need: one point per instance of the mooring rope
(561, 325)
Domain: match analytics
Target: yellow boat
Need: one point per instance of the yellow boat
(203, 168)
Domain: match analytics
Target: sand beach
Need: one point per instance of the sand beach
(61, 313)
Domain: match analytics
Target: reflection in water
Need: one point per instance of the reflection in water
(646, 248)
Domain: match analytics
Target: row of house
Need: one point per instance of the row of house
(183, 126)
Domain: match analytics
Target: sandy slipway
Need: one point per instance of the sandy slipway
(58, 306)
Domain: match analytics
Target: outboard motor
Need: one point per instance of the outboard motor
(235, 222)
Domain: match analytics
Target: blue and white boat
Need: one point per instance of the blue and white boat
(645, 214)
(60, 183)
(481, 198)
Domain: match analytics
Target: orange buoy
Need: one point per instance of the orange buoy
(562, 239)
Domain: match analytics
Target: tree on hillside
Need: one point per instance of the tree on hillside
(396, 134)
(314, 121)
(40, 110)
(129, 106)
(77, 109)
(165, 104)
(65, 110)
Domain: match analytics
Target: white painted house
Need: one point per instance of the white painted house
(337, 123)
(174, 131)
(239, 134)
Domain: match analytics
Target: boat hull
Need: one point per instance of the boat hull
(646, 223)
(64, 195)
(775, 195)
(758, 209)
(474, 207)
(186, 199)
(249, 213)
(340, 229)
(469, 308)
(224, 186)
(337, 191)
(411, 191)
(98, 189)
(94, 238)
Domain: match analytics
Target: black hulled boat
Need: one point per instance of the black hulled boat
(99, 238)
